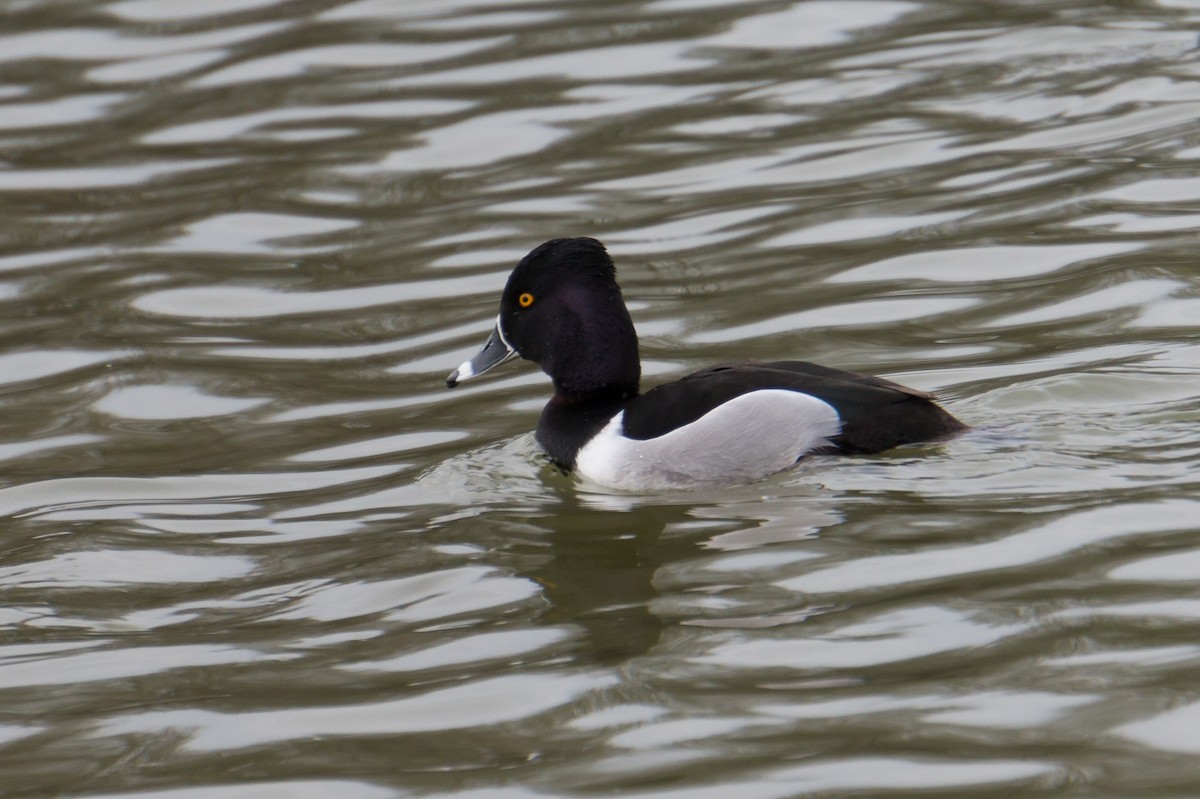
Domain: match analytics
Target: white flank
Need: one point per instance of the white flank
(745, 439)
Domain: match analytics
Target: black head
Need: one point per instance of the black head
(563, 310)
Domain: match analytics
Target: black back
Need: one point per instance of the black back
(877, 414)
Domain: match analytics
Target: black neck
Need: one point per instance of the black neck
(570, 420)
(594, 355)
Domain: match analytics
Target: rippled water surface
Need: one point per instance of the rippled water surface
(253, 547)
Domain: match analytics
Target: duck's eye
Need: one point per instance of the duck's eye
(525, 300)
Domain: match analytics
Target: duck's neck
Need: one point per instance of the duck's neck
(618, 387)
(571, 420)
(595, 367)
(596, 355)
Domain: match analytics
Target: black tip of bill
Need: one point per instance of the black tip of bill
(494, 352)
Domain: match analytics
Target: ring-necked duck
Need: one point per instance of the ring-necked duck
(733, 423)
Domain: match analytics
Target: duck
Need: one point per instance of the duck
(727, 424)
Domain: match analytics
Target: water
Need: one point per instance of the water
(253, 547)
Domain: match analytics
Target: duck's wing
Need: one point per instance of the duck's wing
(876, 414)
(817, 370)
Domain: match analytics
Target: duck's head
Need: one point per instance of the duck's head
(562, 309)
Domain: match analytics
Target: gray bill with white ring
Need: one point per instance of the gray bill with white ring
(495, 351)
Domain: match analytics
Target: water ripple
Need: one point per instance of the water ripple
(494, 701)
(254, 547)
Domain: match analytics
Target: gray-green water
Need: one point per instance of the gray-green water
(252, 546)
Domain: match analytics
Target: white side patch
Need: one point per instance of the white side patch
(745, 439)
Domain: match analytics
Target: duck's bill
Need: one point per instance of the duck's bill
(495, 352)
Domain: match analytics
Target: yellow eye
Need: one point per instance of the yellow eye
(525, 300)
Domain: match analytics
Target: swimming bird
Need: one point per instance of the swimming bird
(727, 424)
